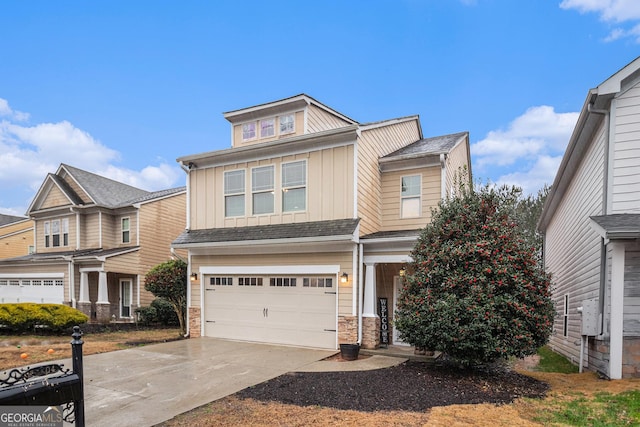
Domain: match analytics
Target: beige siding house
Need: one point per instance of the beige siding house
(95, 239)
(16, 236)
(298, 231)
(591, 223)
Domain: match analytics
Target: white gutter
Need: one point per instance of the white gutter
(443, 176)
(337, 239)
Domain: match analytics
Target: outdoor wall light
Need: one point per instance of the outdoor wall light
(194, 277)
(402, 272)
(344, 278)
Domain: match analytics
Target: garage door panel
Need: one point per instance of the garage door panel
(275, 314)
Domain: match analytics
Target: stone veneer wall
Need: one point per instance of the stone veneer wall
(347, 329)
(370, 332)
(194, 322)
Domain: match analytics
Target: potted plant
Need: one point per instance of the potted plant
(349, 351)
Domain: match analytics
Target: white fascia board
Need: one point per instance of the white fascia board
(390, 240)
(31, 275)
(379, 259)
(270, 269)
(322, 239)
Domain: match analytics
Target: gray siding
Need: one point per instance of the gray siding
(626, 173)
(572, 247)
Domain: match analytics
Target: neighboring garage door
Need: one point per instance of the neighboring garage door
(39, 290)
(284, 309)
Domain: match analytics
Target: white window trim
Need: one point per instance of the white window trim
(224, 194)
(293, 129)
(275, 122)
(122, 230)
(306, 185)
(256, 131)
(419, 196)
(130, 281)
(272, 190)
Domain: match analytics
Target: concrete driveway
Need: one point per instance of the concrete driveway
(147, 385)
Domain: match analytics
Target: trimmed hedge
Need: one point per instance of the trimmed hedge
(24, 317)
(160, 312)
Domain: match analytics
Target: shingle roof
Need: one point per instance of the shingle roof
(339, 227)
(391, 234)
(10, 219)
(43, 256)
(104, 191)
(435, 145)
(618, 226)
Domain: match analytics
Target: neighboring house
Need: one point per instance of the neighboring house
(591, 223)
(95, 240)
(296, 231)
(16, 236)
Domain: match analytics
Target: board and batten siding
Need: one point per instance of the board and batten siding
(572, 246)
(329, 191)
(343, 259)
(373, 144)
(457, 159)
(391, 190)
(626, 156)
(319, 120)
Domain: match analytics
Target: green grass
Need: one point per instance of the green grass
(551, 361)
(604, 409)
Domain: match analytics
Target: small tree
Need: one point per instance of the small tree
(169, 281)
(475, 291)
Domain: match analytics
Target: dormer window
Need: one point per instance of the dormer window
(287, 124)
(267, 128)
(249, 131)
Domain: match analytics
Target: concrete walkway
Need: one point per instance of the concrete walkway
(147, 385)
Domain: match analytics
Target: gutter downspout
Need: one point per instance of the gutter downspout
(360, 294)
(187, 170)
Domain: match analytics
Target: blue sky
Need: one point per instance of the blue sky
(123, 88)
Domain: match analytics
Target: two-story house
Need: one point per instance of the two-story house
(16, 236)
(95, 239)
(591, 224)
(301, 229)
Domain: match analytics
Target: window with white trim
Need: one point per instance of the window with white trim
(287, 124)
(250, 281)
(282, 281)
(262, 189)
(267, 127)
(65, 231)
(249, 131)
(126, 232)
(56, 233)
(410, 196)
(294, 186)
(234, 193)
(47, 234)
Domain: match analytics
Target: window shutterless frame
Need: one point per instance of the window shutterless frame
(262, 189)
(294, 186)
(234, 191)
(410, 196)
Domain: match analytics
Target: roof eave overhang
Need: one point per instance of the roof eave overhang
(412, 161)
(303, 143)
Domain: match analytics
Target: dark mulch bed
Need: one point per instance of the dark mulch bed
(410, 386)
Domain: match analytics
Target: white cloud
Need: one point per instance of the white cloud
(28, 153)
(533, 143)
(615, 11)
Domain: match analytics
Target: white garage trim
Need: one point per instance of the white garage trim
(31, 275)
(273, 269)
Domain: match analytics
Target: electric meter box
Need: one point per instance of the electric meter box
(590, 317)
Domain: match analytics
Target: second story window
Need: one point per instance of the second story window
(126, 230)
(65, 232)
(234, 193)
(294, 186)
(47, 234)
(287, 124)
(267, 128)
(249, 131)
(56, 233)
(262, 189)
(410, 196)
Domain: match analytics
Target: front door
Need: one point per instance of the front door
(397, 287)
(125, 298)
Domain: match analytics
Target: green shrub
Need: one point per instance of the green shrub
(159, 312)
(23, 317)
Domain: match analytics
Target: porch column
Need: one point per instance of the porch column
(369, 304)
(370, 319)
(84, 287)
(616, 342)
(103, 290)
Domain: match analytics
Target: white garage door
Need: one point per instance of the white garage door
(286, 309)
(38, 290)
